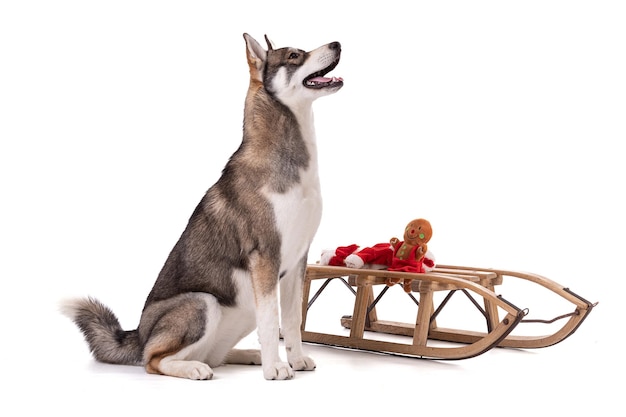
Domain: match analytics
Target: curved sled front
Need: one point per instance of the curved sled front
(582, 308)
(364, 316)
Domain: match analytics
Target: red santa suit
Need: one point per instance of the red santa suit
(411, 264)
(381, 255)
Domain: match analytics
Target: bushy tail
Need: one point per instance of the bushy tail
(107, 340)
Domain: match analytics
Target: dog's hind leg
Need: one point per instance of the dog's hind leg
(291, 318)
(181, 334)
(184, 368)
(244, 357)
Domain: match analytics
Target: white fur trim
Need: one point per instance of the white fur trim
(327, 254)
(431, 256)
(354, 261)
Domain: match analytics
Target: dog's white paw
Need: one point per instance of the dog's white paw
(278, 371)
(185, 369)
(303, 363)
(196, 370)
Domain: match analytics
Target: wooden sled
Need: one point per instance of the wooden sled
(473, 282)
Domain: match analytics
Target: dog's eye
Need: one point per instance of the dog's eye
(294, 55)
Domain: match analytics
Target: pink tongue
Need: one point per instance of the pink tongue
(325, 79)
(321, 80)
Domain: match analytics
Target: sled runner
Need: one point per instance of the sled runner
(434, 291)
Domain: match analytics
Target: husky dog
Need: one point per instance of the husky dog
(247, 239)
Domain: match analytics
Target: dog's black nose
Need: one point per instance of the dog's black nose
(334, 45)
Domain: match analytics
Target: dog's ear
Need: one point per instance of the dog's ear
(270, 44)
(256, 57)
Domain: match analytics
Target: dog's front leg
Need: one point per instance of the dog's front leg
(291, 318)
(267, 322)
(265, 283)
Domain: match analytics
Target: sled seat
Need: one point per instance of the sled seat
(364, 317)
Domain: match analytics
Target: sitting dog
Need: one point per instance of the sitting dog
(249, 234)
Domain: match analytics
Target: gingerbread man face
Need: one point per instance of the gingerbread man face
(418, 232)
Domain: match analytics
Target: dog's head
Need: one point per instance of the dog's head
(291, 74)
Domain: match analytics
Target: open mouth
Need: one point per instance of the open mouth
(318, 79)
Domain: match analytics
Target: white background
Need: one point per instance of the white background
(500, 122)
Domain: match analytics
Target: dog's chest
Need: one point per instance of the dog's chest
(298, 210)
(298, 213)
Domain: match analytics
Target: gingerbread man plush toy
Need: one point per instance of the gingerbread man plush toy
(410, 255)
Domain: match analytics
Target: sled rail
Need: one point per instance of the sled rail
(582, 308)
(364, 317)
(476, 283)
